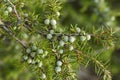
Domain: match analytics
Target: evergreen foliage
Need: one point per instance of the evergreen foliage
(53, 38)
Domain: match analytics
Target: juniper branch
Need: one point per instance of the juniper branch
(15, 10)
(55, 34)
(106, 72)
(2, 25)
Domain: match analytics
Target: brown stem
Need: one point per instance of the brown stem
(11, 34)
(18, 17)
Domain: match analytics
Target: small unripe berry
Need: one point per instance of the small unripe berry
(57, 69)
(88, 37)
(28, 50)
(61, 43)
(82, 38)
(6, 13)
(53, 22)
(71, 48)
(43, 76)
(26, 15)
(60, 51)
(34, 47)
(40, 51)
(78, 29)
(72, 39)
(47, 21)
(59, 63)
(58, 14)
(49, 36)
(65, 38)
(15, 28)
(25, 57)
(32, 54)
(29, 61)
(22, 4)
(40, 64)
(51, 31)
(9, 9)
